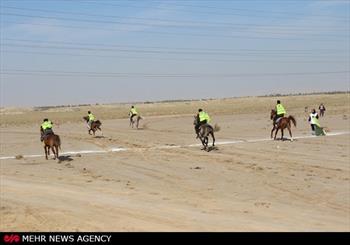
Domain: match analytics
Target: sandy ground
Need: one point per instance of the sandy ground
(249, 186)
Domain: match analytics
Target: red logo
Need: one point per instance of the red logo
(12, 238)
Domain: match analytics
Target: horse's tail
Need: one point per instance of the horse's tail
(58, 141)
(291, 118)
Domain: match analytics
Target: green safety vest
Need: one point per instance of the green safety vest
(280, 109)
(204, 116)
(133, 111)
(314, 120)
(46, 125)
(91, 117)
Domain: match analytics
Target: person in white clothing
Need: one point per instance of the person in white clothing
(313, 119)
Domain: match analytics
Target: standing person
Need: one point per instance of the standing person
(322, 110)
(313, 119)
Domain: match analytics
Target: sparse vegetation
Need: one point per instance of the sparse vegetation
(18, 157)
(334, 101)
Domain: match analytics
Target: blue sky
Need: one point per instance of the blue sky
(99, 51)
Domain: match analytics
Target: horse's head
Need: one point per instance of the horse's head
(86, 118)
(273, 114)
(195, 122)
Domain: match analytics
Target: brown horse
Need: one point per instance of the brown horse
(94, 126)
(282, 124)
(203, 134)
(51, 141)
(135, 120)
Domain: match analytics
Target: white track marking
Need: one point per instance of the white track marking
(173, 146)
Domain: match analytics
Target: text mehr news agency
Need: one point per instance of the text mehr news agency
(67, 238)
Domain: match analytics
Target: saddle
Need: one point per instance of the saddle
(278, 120)
(46, 133)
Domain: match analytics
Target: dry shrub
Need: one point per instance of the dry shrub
(19, 157)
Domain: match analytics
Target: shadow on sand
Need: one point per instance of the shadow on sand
(285, 139)
(99, 137)
(65, 159)
(211, 148)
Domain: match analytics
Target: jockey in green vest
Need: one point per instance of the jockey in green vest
(133, 112)
(46, 128)
(280, 111)
(202, 119)
(91, 118)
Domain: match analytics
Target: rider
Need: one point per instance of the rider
(280, 111)
(313, 119)
(202, 119)
(91, 118)
(133, 112)
(46, 129)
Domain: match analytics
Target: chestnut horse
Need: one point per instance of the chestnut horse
(51, 141)
(94, 126)
(282, 124)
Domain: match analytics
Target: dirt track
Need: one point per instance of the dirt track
(263, 186)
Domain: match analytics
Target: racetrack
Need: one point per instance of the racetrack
(159, 183)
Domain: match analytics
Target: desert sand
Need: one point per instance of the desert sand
(160, 183)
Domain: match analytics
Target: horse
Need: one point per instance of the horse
(135, 120)
(96, 125)
(203, 134)
(51, 141)
(283, 123)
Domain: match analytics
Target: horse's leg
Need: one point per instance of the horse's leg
(54, 153)
(57, 152)
(202, 139)
(272, 131)
(207, 143)
(45, 149)
(213, 136)
(290, 132)
(282, 133)
(276, 133)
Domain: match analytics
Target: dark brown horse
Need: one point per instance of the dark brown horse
(282, 124)
(203, 134)
(96, 125)
(51, 141)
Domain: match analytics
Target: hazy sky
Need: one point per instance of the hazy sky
(84, 51)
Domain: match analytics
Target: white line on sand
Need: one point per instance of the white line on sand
(170, 146)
